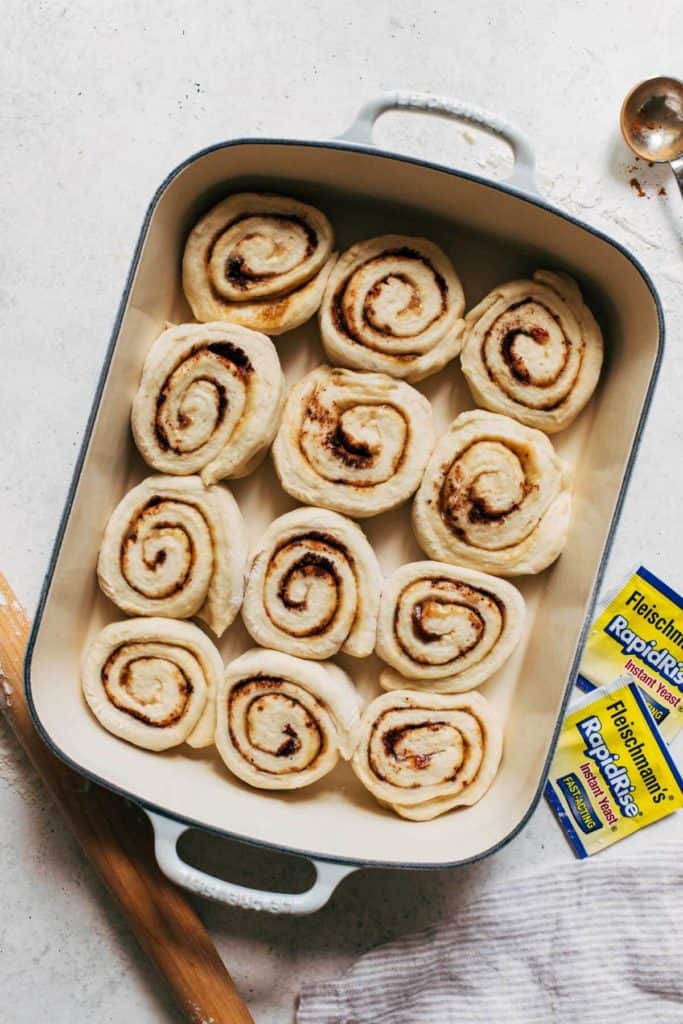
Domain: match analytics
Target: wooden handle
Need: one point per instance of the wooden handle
(118, 841)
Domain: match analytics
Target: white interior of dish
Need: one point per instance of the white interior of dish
(491, 237)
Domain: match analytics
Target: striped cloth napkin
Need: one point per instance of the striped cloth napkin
(597, 941)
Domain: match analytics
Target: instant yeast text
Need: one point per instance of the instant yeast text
(612, 773)
(640, 632)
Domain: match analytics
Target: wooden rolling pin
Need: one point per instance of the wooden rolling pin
(118, 842)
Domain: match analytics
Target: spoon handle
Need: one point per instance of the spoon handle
(677, 168)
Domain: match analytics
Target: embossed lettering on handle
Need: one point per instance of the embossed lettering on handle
(167, 832)
(523, 175)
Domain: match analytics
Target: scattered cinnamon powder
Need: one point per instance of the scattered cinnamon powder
(637, 188)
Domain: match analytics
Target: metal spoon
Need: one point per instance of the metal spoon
(652, 123)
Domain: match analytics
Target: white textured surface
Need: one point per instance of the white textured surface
(99, 102)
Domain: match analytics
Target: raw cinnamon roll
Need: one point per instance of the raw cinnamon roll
(283, 722)
(353, 442)
(533, 350)
(494, 496)
(393, 304)
(209, 401)
(422, 754)
(258, 260)
(446, 628)
(153, 682)
(313, 586)
(175, 548)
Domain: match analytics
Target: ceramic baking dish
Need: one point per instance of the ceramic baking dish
(493, 232)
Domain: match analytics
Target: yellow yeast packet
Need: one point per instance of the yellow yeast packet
(612, 773)
(641, 632)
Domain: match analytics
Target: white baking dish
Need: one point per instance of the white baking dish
(493, 232)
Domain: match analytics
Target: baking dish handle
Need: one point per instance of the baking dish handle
(523, 175)
(167, 832)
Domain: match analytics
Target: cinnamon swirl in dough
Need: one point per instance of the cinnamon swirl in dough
(283, 722)
(313, 586)
(153, 682)
(175, 548)
(209, 401)
(446, 628)
(494, 496)
(422, 754)
(533, 350)
(393, 304)
(356, 443)
(258, 260)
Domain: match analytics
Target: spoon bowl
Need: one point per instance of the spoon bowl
(652, 123)
(652, 119)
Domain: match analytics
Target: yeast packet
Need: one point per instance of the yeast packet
(640, 632)
(612, 773)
